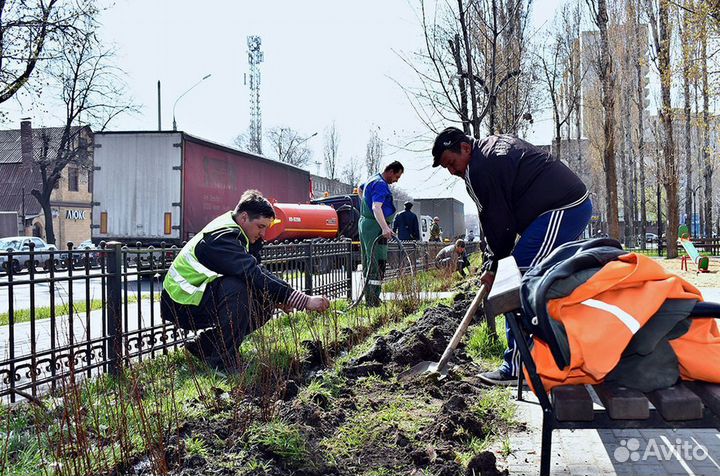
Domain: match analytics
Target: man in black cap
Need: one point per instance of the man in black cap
(406, 224)
(519, 189)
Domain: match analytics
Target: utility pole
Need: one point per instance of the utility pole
(159, 124)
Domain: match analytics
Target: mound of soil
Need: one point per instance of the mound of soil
(371, 422)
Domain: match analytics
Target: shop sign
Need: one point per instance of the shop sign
(75, 214)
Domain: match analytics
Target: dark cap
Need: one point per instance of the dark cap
(447, 139)
(408, 204)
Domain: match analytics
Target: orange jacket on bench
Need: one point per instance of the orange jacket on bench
(602, 315)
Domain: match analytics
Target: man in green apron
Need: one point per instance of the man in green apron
(376, 214)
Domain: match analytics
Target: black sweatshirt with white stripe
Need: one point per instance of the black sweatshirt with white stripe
(224, 252)
(512, 183)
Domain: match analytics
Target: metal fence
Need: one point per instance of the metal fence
(78, 313)
(709, 246)
(90, 311)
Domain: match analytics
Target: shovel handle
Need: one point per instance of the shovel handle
(460, 331)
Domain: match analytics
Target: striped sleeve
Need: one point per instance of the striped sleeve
(298, 300)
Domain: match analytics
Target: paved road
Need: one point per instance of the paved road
(81, 288)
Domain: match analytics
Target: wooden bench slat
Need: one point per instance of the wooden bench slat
(677, 403)
(709, 393)
(622, 403)
(572, 403)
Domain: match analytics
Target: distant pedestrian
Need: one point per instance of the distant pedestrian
(406, 224)
(453, 257)
(435, 230)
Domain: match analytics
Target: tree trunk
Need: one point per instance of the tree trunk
(671, 173)
(44, 201)
(462, 85)
(687, 111)
(608, 102)
(641, 149)
(707, 160)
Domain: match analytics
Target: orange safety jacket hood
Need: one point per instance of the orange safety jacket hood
(601, 316)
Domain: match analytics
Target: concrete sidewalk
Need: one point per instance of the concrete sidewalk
(612, 452)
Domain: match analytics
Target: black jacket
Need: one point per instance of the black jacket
(224, 252)
(512, 183)
(406, 226)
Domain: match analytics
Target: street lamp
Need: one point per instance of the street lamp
(183, 94)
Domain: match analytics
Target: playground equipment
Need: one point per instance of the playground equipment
(693, 254)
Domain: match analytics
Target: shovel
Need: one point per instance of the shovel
(441, 366)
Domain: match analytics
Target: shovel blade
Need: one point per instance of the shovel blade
(421, 368)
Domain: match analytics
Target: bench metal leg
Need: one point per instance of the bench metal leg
(546, 445)
(520, 382)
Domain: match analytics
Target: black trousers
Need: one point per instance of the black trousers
(229, 310)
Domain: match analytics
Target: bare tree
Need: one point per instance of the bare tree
(707, 158)
(686, 46)
(92, 89)
(562, 71)
(475, 68)
(288, 146)
(604, 69)
(330, 151)
(351, 173)
(242, 142)
(659, 15)
(37, 33)
(373, 153)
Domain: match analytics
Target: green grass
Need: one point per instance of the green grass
(481, 346)
(78, 308)
(91, 428)
(280, 439)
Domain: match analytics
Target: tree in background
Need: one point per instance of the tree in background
(373, 153)
(352, 173)
(36, 34)
(662, 31)
(330, 151)
(604, 69)
(288, 146)
(92, 90)
(475, 68)
(561, 70)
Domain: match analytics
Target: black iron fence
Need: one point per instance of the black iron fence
(78, 313)
(706, 246)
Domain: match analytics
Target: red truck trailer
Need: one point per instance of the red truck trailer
(166, 186)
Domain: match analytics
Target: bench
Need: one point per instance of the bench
(570, 407)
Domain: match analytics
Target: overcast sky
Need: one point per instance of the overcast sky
(325, 61)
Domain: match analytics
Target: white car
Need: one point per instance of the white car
(21, 246)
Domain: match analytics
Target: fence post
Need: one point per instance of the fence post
(349, 267)
(114, 307)
(309, 268)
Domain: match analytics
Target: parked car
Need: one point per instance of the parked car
(79, 254)
(21, 245)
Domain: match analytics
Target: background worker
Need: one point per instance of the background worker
(216, 283)
(376, 213)
(435, 230)
(406, 224)
(453, 257)
(519, 189)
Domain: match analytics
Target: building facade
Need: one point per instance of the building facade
(21, 154)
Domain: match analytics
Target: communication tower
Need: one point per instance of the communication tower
(255, 57)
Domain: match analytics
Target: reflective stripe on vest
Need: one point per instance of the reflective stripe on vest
(187, 278)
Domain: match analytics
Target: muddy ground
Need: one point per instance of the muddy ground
(355, 419)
